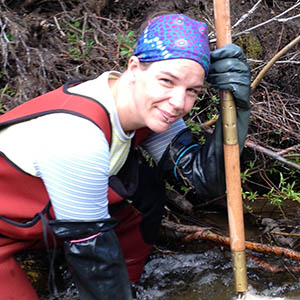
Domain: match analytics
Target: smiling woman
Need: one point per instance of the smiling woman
(73, 150)
(159, 95)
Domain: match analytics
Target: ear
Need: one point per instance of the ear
(133, 67)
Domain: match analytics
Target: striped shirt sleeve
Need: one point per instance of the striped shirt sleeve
(75, 174)
(157, 143)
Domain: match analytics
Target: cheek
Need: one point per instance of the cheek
(189, 105)
(154, 94)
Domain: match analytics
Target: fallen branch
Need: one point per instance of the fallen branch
(274, 269)
(272, 154)
(196, 233)
(286, 234)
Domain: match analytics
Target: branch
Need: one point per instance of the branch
(273, 60)
(292, 62)
(195, 233)
(245, 16)
(272, 154)
(276, 18)
(283, 20)
(274, 269)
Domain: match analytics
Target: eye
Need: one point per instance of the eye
(193, 92)
(166, 81)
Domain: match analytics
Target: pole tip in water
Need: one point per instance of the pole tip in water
(241, 296)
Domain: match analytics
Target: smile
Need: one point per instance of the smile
(168, 118)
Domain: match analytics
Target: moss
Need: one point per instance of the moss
(251, 45)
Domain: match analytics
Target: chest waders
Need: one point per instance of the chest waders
(25, 203)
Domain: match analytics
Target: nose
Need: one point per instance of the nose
(177, 99)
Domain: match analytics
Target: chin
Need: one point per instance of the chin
(157, 128)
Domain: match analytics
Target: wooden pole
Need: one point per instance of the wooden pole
(232, 159)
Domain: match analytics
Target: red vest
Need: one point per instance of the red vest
(23, 195)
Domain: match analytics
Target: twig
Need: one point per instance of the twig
(295, 62)
(272, 154)
(286, 233)
(256, 147)
(271, 62)
(246, 31)
(245, 16)
(276, 18)
(58, 26)
(289, 149)
(84, 25)
(288, 19)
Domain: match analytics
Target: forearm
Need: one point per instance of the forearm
(201, 167)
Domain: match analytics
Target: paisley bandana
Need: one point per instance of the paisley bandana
(174, 36)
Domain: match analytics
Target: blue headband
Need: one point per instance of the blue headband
(174, 36)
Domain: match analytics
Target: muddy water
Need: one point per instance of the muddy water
(208, 276)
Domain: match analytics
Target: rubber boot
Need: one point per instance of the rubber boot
(93, 252)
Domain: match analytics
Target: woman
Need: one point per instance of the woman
(68, 160)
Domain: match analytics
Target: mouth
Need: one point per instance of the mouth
(168, 118)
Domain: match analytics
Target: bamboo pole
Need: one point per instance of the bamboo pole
(232, 159)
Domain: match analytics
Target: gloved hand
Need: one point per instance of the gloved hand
(230, 71)
(203, 166)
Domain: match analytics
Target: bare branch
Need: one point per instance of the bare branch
(271, 62)
(276, 18)
(245, 16)
(58, 26)
(288, 19)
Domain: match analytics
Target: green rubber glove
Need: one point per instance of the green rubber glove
(230, 71)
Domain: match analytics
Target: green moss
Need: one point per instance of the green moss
(251, 45)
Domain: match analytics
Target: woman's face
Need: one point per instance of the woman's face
(164, 91)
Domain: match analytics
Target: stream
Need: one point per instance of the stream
(209, 276)
(199, 270)
(195, 276)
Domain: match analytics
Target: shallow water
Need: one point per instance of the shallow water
(208, 276)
